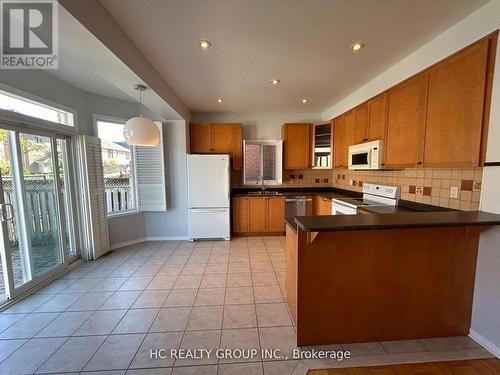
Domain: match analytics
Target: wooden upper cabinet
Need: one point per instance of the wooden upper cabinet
(240, 214)
(455, 109)
(377, 110)
(200, 136)
(223, 138)
(360, 130)
(275, 214)
(217, 139)
(340, 157)
(407, 104)
(297, 143)
(237, 153)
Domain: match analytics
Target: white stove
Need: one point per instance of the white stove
(373, 195)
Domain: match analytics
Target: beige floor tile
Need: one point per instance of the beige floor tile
(264, 279)
(364, 348)
(210, 296)
(402, 346)
(136, 321)
(171, 319)
(266, 294)
(441, 343)
(180, 297)
(246, 340)
(150, 299)
(241, 368)
(272, 315)
(199, 339)
(240, 295)
(205, 317)
(239, 316)
(167, 341)
(213, 281)
(239, 279)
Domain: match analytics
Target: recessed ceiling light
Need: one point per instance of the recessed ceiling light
(304, 101)
(357, 46)
(205, 44)
(220, 100)
(275, 82)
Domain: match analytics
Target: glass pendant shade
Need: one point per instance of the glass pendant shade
(141, 131)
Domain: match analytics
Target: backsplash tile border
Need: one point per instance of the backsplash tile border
(435, 183)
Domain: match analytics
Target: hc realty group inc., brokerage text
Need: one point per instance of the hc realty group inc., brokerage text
(249, 354)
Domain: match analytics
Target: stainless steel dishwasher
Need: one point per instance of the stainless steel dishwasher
(300, 205)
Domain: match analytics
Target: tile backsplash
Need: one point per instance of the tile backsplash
(295, 178)
(423, 185)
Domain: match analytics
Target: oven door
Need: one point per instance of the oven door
(339, 208)
(360, 159)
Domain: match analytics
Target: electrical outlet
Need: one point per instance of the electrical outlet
(419, 190)
(454, 192)
(351, 182)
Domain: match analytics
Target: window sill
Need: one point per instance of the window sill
(124, 213)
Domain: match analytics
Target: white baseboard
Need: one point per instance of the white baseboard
(167, 238)
(493, 348)
(126, 243)
(143, 239)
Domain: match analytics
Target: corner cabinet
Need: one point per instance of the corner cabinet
(296, 142)
(217, 139)
(258, 215)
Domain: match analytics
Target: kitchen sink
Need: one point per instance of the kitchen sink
(264, 192)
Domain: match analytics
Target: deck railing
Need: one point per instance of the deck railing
(119, 195)
(40, 205)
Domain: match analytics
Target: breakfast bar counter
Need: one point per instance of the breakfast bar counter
(365, 278)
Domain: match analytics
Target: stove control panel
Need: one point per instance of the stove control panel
(385, 191)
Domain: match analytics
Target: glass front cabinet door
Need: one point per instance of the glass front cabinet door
(322, 145)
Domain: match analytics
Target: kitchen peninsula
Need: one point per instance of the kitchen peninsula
(365, 278)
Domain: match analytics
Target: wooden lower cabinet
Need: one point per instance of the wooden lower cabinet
(240, 215)
(275, 214)
(322, 205)
(258, 215)
(257, 208)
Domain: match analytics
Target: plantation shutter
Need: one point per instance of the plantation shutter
(150, 176)
(95, 197)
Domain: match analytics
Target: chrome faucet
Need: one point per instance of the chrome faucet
(262, 184)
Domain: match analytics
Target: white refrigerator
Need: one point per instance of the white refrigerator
(208, 196)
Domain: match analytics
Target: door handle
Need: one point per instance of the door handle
(4, 211)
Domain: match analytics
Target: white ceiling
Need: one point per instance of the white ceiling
(303, 43)
(87, 64)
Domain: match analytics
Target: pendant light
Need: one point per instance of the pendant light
(139, 130)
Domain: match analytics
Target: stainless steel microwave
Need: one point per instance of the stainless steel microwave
(366, 155)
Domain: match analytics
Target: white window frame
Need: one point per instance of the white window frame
(133, 183)
(47, 125)
(278, 144)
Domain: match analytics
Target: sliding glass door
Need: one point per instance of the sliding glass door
(37, 234)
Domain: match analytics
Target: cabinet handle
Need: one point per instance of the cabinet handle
(364, 140)
(419, 163)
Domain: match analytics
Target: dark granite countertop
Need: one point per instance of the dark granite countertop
(290, 192)
(394, 221)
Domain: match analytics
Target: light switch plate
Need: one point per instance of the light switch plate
(419, 190)
(351, 182)
(454, 192)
